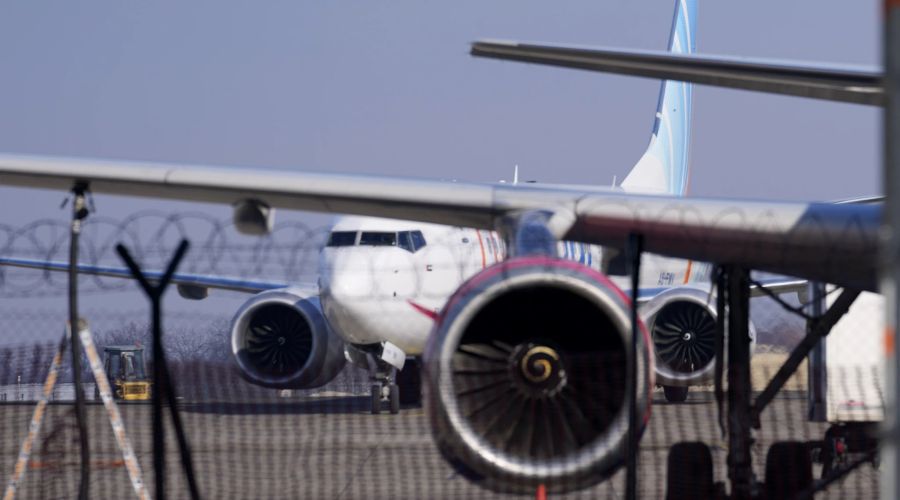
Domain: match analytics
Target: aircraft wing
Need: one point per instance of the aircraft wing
(187, 283)
(833, 243)
(845, 84)
(779, 285)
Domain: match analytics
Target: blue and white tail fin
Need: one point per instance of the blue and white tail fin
(664, 168)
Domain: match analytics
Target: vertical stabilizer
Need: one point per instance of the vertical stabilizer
(664, 168)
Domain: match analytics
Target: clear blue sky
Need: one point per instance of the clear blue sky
(388, 87)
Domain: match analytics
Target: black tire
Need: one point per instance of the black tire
(375, 397)
(788, 469)
(675, 394)
(394, 398)
(410, 381)
(689, 472)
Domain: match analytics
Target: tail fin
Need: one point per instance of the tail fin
(664, 168)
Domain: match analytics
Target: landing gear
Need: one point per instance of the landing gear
(689, 472)
(788, 464)
(384, 389)
(788, 469)
(675, 394)
(385, 379)
(409, 379)
(375, 398)
(394, 398)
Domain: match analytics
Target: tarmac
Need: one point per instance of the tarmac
(332, 447)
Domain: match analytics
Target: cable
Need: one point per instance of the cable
(79, 213)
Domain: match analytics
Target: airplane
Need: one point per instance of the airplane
(532, 334)
(382, 281)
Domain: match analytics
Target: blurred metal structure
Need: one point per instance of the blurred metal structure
(890, 282)
(79, 213)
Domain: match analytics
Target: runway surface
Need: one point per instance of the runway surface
(331, 447)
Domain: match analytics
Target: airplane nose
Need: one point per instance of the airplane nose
(341, 298)
(367, 274)
(358, 287)
(345, 276)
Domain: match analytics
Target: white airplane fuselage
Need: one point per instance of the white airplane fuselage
(377, 284)
(374, 289)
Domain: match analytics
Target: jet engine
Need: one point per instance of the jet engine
(682, 324)
(280, 339)
(526, 376)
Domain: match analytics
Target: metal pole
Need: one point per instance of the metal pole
(890, 278)
(79, 213)
(635, 248)
(740, 465)
(159, 442)
(159, 446)
(816, 370)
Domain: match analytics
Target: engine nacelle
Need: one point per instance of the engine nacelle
(280, 339)
(526, 376)
(682, 325)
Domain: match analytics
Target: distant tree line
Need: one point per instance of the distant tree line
(205, 345)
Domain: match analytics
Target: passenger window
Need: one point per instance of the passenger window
(418, 240)
(378, 239)
(342, 239)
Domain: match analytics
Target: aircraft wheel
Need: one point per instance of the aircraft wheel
(375, 396)
(675, 394)
(788, 469)
(395, 398)
(410, 381)
(689, 472)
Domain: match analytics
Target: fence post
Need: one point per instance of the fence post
(79, 213)
(890, 277)
(162, 383)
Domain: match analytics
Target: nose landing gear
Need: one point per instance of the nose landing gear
(383, 361)
(396, 387)
(384, 387)
(385, 391)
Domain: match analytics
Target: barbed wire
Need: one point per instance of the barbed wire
(289, 252)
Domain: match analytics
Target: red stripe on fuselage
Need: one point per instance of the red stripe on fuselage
(424, 310)
(481, 244)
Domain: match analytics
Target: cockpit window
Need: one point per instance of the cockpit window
(418, 240)
(404, 241)
(378, 239)
(342, 239)
(411, 241)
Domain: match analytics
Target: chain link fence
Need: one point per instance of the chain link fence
(249, 441)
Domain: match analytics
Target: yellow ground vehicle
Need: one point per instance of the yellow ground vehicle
(124, 367)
